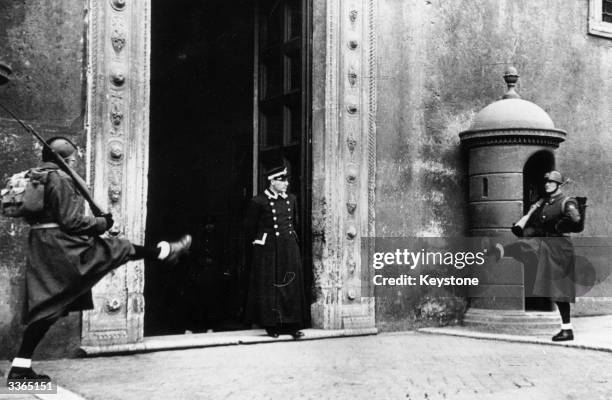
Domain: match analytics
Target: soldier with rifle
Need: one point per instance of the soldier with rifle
(67, 255)
(547, 249)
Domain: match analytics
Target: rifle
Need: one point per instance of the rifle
(80, 184)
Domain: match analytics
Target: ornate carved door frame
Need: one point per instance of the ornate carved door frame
(344, 161)
(344, 158)
(117, 157)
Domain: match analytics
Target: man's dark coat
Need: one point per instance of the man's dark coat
(276, 290)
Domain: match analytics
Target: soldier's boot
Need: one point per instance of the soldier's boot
(495, 250)
(498, 251)
(177, 249)
(563, 335)
(22, 374)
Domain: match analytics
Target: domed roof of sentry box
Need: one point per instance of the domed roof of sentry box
(513, 119)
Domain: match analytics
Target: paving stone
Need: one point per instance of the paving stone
(388, 366)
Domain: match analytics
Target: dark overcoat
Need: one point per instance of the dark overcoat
(66, 260)
(554, 277)
(276, 288)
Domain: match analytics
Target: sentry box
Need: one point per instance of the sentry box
(511, 144)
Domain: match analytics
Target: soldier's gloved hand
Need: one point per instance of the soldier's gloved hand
(108, 217)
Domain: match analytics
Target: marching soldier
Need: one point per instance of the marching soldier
(549, 250)
(67, 256)
(276, 299)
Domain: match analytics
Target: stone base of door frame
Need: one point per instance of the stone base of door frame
(359, 314)
(231, 338)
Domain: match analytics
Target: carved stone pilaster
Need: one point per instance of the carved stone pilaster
(118, 81)
(349, 160)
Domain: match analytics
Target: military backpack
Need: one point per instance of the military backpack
(24, 193)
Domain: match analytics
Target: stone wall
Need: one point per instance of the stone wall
(440, 62)
(44, 44)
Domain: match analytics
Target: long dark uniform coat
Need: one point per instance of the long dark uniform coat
(276, 289)
(66, 261)
(550, 249)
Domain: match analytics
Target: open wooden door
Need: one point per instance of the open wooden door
(283, 102)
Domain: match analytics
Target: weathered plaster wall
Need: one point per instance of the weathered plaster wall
(440, 62)
(43, 42)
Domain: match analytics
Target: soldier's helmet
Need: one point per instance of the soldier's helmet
(62, 146)
(554, 176)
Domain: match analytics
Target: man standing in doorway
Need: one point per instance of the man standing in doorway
(67, 256)
(276, 299)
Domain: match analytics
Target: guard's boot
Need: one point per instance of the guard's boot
(18, 373)
(297, 334)
(178, 248)
(272, 333)
(563, 335)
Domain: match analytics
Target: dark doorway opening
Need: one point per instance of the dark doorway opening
(533, 189)
(200, 169)
(207, 75)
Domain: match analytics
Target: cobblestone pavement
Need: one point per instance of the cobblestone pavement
(388, 366)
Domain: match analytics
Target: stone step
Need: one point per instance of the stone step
(515, 322)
